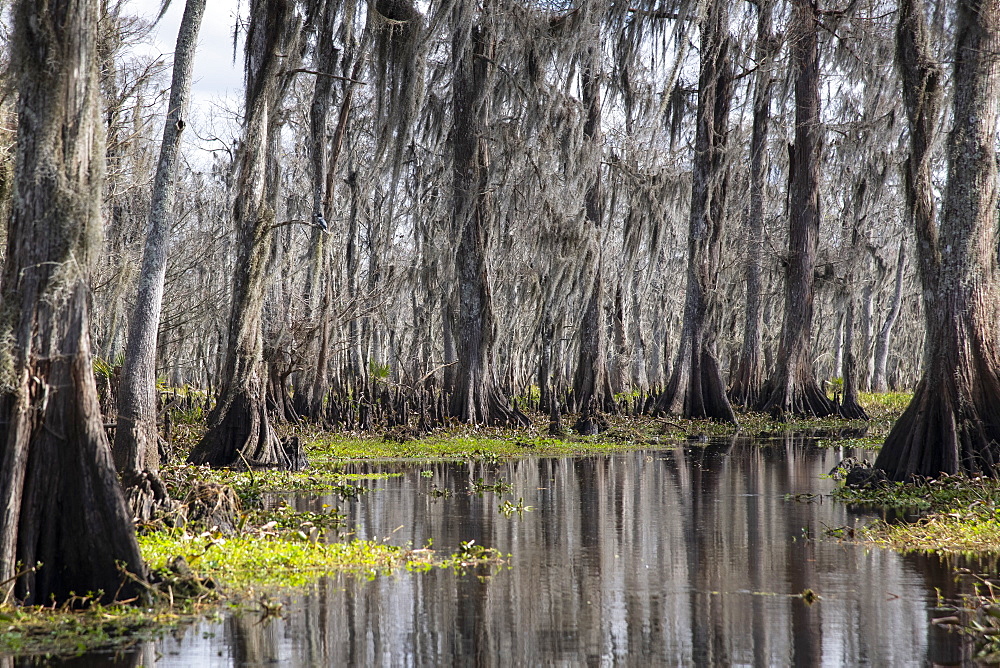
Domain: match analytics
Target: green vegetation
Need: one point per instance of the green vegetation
(269, 558)
(508, 508)
(251, 485)
(944, 495)
(976, 615)
(958, 514)
(274, 545)
(626, 432)
(959, 531)
(458, 443)
(63, 632)
(479, 486)
(193, 572)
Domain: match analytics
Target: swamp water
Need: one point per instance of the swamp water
(684, 557)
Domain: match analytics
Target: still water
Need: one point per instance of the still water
(684, 557)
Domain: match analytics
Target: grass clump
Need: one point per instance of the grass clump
(958, 514)
(942, 495)
(957, 532)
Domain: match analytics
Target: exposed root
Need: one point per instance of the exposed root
(802, 399)
(555, 418)
(295, 454)
(850, 409)
(591, 421)
(148, 501)
(213, 505)
(696, 391)
(946, 430)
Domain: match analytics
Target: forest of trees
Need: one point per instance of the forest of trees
(515, 200)
(469, 211)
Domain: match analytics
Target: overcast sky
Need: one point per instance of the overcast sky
(214, 71)
(217, 81)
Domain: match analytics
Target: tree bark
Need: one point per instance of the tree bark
(885, 333)
(591, 383)
(136, 446)
(792, 387)
(239, 432)
(696, 388)
(61, 501)
(850, 407)
(953, 424)
(749, 376)
(475, 396)
(311, 384)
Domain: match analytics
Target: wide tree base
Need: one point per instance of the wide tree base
(696, 391)
(745, 395)
(803, 398)
(946, 430)
(591, 421)
(73, 518)
(747, 385)
(487, 407)
(850, 409)
(213, 506)
(240, 435)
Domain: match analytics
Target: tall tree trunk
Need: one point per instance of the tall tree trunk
(475, 397)
(61, 501)
(136, 446)
(239, 431)
(850, 407)
(867, 321)
(313, 379)
(357, 364)
(639, 379)
(953, 422)
(591, 384)
(792, 388)
(544, 379)
(749, 376)
(885, 333)
(696, 388)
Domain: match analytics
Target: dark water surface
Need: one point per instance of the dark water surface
(686, 557)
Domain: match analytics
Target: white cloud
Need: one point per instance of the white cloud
(218, 79)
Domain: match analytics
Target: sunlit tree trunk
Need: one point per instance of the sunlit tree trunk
(881, 355)
(953, 422)
(61, 501)
(136, 446)
(239, 431)
(849, 406)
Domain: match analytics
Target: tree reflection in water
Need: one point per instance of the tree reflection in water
(691, 556)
